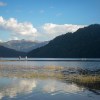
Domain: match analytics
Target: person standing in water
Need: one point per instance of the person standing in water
(26, 58)
(19, 57)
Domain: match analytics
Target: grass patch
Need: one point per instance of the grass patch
(89, 81)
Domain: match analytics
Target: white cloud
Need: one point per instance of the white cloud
(14, 38)
(0, 40)
(2, 4)
(54, 30)
(17, 28)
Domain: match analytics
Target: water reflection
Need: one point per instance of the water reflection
(60, 87)
(15, 86)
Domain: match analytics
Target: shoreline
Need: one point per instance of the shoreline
(83, 60)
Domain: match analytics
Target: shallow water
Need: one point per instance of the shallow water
(73, 63)
(44, 88)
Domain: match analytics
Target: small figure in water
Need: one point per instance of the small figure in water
(19, 57)
(26, 58)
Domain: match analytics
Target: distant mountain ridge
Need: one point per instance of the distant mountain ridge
(23, 45)
(84, 43)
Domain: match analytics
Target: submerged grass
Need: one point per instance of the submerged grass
(89, 81)
(83, 78)
(86, 80)
(31, 72)
(33, 75)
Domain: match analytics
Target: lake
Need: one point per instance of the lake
(47, 80)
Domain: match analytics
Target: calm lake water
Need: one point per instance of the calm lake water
(17, 88)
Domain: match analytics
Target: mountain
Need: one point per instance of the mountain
(23, 45)
(84, 43)
(6, 52)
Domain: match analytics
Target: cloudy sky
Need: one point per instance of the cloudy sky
(45, 19)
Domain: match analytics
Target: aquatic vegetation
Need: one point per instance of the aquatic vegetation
(87, 78)
(89, 81)
(31, 72)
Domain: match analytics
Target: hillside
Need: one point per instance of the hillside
(84, 43)
(6, 52)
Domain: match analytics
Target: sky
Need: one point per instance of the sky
(43, 20)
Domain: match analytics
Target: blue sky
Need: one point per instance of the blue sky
(45, 18)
